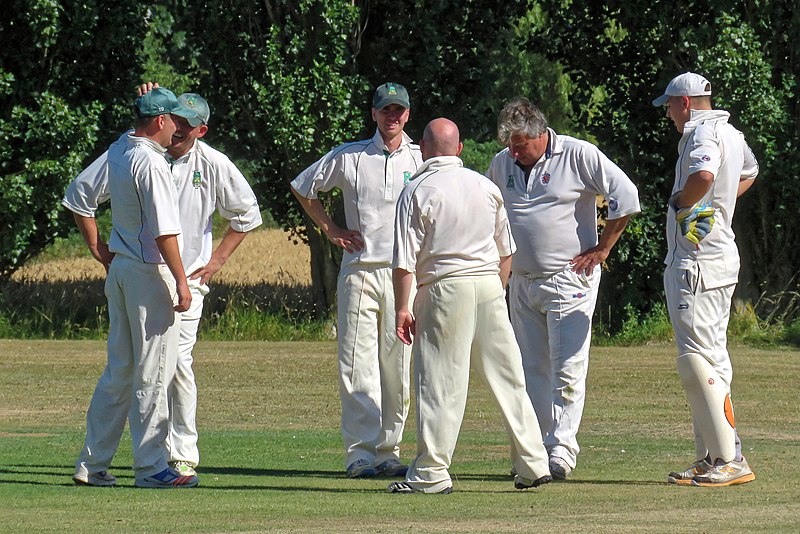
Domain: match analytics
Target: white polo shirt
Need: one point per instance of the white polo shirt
(370, 178)
(554, 215)
(710, 143)
(206, 181)
(143, 199)
(450, 222)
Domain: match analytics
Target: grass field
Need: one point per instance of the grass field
(271, 459)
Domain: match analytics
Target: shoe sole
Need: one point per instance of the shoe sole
(679, 481)
(736, 481)
(367, 473)
(408, 490)
(85, 482)
(536, 483)
(163, 485)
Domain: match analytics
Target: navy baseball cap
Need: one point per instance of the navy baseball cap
(159, 101)
(197, 107)
(391, 93)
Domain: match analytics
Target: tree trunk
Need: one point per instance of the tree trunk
(325, 261)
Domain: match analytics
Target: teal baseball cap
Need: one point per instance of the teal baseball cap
(391, 93)
(196, 106)
(159, 101)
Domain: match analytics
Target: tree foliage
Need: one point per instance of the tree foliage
(288, 81)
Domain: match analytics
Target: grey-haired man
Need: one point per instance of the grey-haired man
(207, 181)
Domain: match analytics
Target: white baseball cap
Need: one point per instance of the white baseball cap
(687, 84)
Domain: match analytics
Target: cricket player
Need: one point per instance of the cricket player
(207, 181)
(373, 363)
(144, 279)
(550, 184)
(715, 166)
(452, 231)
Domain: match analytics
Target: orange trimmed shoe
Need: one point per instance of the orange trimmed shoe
(684, 478)
(728, 474)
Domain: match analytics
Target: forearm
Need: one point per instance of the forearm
(168, 246)
(230, 242)
(611, 233)
(88, 229)
(505, 269)
(744, 185)
(313, 207)
(697, 185)
(402, 281)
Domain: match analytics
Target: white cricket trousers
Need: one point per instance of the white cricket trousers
(552, 319)
(373, 366)
(182, 440)
(142, 354)
(461, 320)
(700, 315)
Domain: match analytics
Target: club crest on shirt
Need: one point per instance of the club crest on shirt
(613, 205)
(546, 178)
(510, 182)
(406, 177)
(197, 179)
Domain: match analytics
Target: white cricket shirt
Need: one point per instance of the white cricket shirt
(143, 199)
(206, 180)
(554, 215)
(710, 143)
(371, 179)
(450, 222)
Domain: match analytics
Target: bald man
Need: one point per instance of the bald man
(452, 231)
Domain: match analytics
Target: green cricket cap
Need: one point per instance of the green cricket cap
(196, 106)
(159, 101)
(391, 93)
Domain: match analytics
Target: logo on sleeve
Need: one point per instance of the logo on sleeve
(613, 205)
(406, 177)
(546, 178)
(705, 157)
(197, 179)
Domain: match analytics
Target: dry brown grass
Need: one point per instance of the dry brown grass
(267, 256)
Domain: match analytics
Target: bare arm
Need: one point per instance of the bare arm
(168, 246)
(350, 240)
(744, 185)
(404, 321)
(588, 260)
(230, 241)
(98, 247)
(696, 186)
(505, 269)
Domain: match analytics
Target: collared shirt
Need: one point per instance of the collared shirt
(206, 180)
(554, 213)
(370, 178)
(710, 143)
(143, 199)
(450, 222)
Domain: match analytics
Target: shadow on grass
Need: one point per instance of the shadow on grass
(59, 470)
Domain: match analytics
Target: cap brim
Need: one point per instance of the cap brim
(661, 100)
(187, 114)
(389, 101)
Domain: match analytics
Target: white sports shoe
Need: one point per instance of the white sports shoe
(684, 478)
(559, 468)
(391, 468)
(101, 478)
(168, 478)
(183, 467)
(728, 474)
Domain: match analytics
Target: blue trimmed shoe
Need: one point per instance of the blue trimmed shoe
(166, 479)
